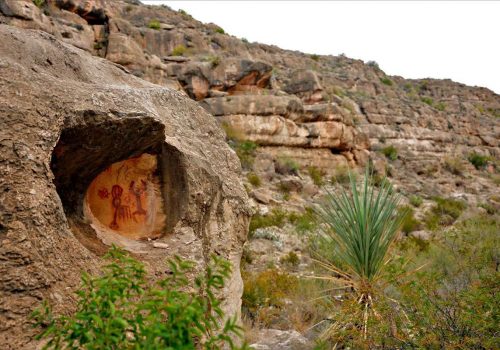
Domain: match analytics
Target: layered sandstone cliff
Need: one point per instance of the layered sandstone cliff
(290, 103)
(62, 108)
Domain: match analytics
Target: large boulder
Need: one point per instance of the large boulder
(91, 155)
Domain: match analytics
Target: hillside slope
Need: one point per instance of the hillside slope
(319, 110)
(297, 122)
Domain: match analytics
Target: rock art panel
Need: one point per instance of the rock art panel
(126, 198)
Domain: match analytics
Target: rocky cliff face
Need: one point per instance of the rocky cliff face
(330, 109)
(88, 153)
(313, 111)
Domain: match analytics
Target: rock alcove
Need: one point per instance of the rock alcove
(119, 183)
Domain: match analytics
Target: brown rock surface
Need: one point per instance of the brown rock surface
(303, 111)
(65, 118)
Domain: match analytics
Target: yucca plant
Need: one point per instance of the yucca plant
(358, 228)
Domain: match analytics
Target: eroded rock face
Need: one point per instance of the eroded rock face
(79, 136)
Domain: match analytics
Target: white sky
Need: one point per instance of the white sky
(459, 40)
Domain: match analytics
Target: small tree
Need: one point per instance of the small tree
(121, 310)
(358, 230)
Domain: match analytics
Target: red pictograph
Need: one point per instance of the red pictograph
(137, 191)
(103, 193)
(122, 212)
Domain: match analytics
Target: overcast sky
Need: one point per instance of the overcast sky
(457, 40)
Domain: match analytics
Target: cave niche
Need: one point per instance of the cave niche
(119, 181)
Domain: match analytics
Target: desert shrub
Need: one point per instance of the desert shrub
(276, 217)
(386, 81)
(410, 223)
(390, 152)
(291, 259)
(247, 257)
(277, 299)
(495, 178)
(220, 30)
(266, 233)
(416, 201)
(494, 112)
(479, 161)
(304, 222)
(286, 166)
(119, 309)
(184, 14)
(39, 3)
(314, 57)
(179, 50)
(448, 206)
(340, 175)
(454, 165)
(214, 61)
(245, 40)
(440, 106)
(490, 209)
(246, 152)
(316, 175)
(155, 24)
(444, 212)
(245, 149)
(453, 302)
(427, 100)
(373, 64)
(98, 45)
(254, 179)
(267, 288)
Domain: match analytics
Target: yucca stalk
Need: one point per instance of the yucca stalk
(360, 227)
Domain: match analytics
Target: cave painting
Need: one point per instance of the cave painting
(126, 199)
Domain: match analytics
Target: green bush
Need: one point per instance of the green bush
(427, 100)
(410, 224)
(154, 24)
(291, 259)
(39, 3)
(277, 217)
(184, 14)
(416, 201)
(454, 165)
(373, 64)
(453, 301)
(441, 106)
(254, 179)
(341, 175)
(316, 175)
(245, 150)
(245, 40)
(304, 222)
(179, 50)
(444, 212)
(390, 152)
(479, 161)
(214, 60)
(120, 309)
(386, 81)
(267, 288)
(286, 166)
(314, 57)
(220, 30)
